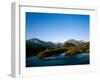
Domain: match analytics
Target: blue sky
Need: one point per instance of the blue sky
(57, 27)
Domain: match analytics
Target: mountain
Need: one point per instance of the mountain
(38, 42)
(35, 41)
(73, 41)
(35, 46)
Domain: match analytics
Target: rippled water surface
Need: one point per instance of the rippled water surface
(34, 61)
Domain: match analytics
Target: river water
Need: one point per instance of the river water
(78, 59)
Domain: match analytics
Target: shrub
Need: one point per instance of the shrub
(70, 51)
(50, 52)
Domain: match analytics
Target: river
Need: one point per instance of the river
(78, 59)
